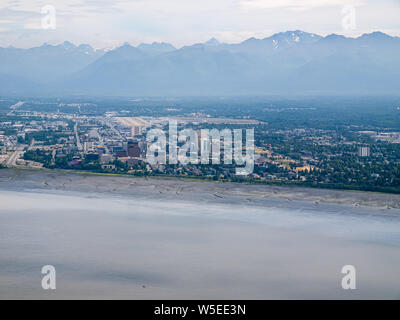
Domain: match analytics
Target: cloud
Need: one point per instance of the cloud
(296, 4)
(239, 36)
(33, 26)
(181, 22)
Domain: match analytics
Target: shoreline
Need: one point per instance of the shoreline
(176, 187)
(291, 184)
(130, 237)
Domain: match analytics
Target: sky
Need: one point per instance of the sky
(110, 23)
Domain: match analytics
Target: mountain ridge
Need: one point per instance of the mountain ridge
(284, 63)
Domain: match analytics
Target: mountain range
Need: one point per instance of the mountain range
(292, 62)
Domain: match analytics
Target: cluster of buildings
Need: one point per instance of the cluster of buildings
(104, 140)
(391, 137)
(117, 143)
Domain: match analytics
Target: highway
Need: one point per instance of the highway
(78, 141)
(12, 160)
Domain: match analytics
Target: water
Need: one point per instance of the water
(149, 247)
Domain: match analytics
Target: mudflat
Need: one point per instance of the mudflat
(130, 238)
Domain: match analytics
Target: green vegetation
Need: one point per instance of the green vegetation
(309, 141)
(38, 156)
(48, 137)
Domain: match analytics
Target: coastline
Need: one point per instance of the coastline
(129, 237)
(171, 187)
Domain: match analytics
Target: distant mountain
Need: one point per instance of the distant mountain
(46, 63)
(156, 48)
(212, 42)
(292, 62)
(16, 85)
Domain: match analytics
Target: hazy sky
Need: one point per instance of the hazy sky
(108, 23)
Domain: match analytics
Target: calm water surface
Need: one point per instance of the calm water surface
(143, 247)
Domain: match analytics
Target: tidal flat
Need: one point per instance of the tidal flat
(115, 237)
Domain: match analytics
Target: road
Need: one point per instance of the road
(111, 125)
(12, 160)
(32, 144)
(78, 141)
(101, 140)
(53, 156)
